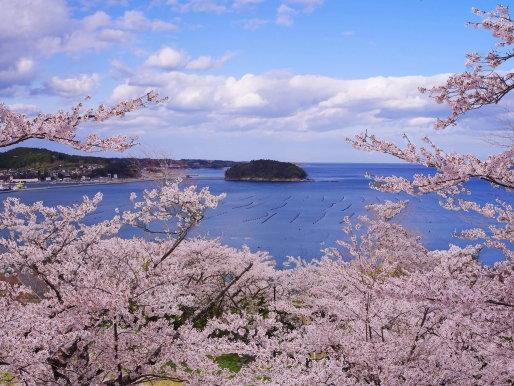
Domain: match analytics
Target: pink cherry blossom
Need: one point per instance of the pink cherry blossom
(482, 86)
(61, 127)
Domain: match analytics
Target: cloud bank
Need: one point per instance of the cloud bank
(279, 101)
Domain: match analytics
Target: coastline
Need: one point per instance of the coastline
(186, 177)
(71, 185)
(124, 181)
(250, 179)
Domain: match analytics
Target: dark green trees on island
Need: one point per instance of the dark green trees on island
(266, 170)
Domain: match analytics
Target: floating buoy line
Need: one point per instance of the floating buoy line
(268, 218)
(279, 206)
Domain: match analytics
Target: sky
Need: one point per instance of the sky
(248, 79)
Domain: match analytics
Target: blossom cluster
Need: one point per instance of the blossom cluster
(61, 127)
(482, 86)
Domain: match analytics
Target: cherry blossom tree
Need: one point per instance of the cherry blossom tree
(462, 93)
(396, 313)
(387, 311)
(480, 87)
(104, 310)
(120, 311)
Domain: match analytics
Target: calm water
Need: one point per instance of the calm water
(294, 219)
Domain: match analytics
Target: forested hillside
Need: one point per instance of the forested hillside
(266, 170)
(25, 157)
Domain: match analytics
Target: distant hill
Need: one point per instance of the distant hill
(39, 163)
(266, 170)
(27, 157)
(205, 164)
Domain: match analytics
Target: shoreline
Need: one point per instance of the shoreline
(130, 181)
(268, 180)
(64, 186)
(75, 185)
(264, 180)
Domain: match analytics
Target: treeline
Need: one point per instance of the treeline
(206, 164)
(121, 169)
(25, 157)
(265, 170)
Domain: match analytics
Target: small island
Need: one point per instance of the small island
(266, 170)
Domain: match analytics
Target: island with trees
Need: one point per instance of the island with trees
(266, 170)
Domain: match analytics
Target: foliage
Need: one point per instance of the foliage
(44, 159)
(206, 164)
(121, 169)
(21, 157)
(25, 157)
(265, 170)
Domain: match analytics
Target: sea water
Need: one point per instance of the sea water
(298, 219)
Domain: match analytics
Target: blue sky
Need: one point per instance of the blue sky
(248, 79)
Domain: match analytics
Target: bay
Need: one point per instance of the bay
(294, 219)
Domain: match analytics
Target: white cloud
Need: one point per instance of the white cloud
(167, 59)
(120, 70)
(253, 24)
(27, 28)
(284, 15)
(223, 6)
(198, 6)
(205, 62)
(131, 20)
(170, 59)
(121, 67)
(348, 33)
(202, 63)
(88, 4)
(134, 20)
(284, 20)
(279, 102)
(281, 110)
(113, 35)
(308, 4)
(28, 109)
(225, 58)
(305, 2)
(23, 72)
(245, 3)
(162, 26)
(95, 21)
(420, 121)
(78, 86)
(41, 28)
(37, 29)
